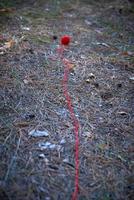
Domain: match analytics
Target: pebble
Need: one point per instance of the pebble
(38, 133)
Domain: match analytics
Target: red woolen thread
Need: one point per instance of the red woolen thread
(75, 124)
(65, 40)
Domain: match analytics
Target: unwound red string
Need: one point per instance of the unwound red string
(75, 122)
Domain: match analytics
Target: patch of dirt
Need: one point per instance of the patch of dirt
(31, 96)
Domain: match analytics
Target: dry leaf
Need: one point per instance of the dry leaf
(127, 53)
(9, 44)
(89, 135)
(71, 65)
(21, 124)
(7, 10)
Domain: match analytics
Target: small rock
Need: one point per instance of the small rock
(88, 22)
(122, 113)
(47, 9)
(25, 28)
(48, 145)
(131, 78)
(38, 133)
(66, 160)
(121, 158)
(63, 141)
(47, 198)
(82, 57)
(2, 53)
(88, 80)
(102, 44)
(26, 81)
(91, 76)
(45, 145)
(41, 155)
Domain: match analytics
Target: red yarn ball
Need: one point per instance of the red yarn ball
(65, 40)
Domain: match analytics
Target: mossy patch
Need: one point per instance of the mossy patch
(41, 14)
(39, 39)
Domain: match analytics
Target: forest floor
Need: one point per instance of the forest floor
(101, 87)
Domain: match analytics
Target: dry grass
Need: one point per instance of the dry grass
(31, 97)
